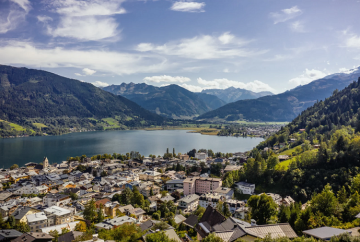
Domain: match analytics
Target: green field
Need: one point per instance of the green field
(39, 125)
(285, 164)
(289, 151)
(261, 123)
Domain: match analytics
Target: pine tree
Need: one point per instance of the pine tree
(100, 214)
(226, 211)
(90, 211)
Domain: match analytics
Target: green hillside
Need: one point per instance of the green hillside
(30, 96)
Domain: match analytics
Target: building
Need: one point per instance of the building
(69, 237)
(57, 215)
(45, 163)
(245, 188)
(34, 237)
(204, 185)
(325, 233)
(184, 157)
(36, 221)
(189, 203)
(147, 190)
(9, 234)
(189, 185)
(20, 214)
(115, 222)
(201, 156)
(225, 191)
(149, 176)
(210, 199)
(173, 185)
(229, 168)
(56, 200)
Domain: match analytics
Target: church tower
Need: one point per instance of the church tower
(45, 162)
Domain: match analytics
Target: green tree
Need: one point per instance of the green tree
(54, 233)
(80, 226)
(90, 211)
(14, 166)
(126, 196)
(22, 227)
(226, 211)
(100, 214)
(262, 207)
(151, 192)
(212, 238)
(342, 195)
(158, 237)
(284, 214)
(272, 162)
(325, 202)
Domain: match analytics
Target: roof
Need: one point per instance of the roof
(126, 208)
(69, 237)
(172, 235)
(189, 198)
(245, 184)
(146, 225)
(36, 217)
(225, 236)
(20, 212)
(70, 226)
(5, 195)
(191, 221)
(174, 181)
(325, 232)
(167, 198)
(137, 211)
(222, 190)
(32, 236)
(58, 211)
(9, 233)
(179, 218)
(102, 201)
(274, 230)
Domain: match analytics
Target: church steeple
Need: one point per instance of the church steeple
(45, 162)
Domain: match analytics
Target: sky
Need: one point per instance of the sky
(259, 45)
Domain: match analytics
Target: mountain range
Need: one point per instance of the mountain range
(170, 101)
(233, 94)
(34, 94)
(285, 106)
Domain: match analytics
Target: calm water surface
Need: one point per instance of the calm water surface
(58, 148)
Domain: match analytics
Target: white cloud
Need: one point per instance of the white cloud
(191, 88)
(307, 77)
(24, 4)
(86, 20)
(193, 7)
(100, 84)
(23, 53)
(78, 74)
(297, 26)
(255, 86)
(285, 14)
(203, 47)
(164, 78)
(44, 19)
(14, 16)
(226, 70)
(353, 42)
(88, 71)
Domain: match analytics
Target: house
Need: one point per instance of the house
(70, 226)
(56, 200)
(102, 202)
(191, 221)
(36, 221)
(201, 156)
(231, 229)
(229, 168)
(57, 215)
(245, 188)
(173, 185)
(115, 222)
(69, 237)
(6, 196)
(225, 191)
(147, 190)
(179, 218)
(283, 157)
(150, 176)
(189, 185)
(210, 199)
(138, 213)
(14, 178)
(126, 209)
(34, 237)
(234, 205)
(184, 157)
(325, 233)
(9, 234)
(26, 190)
(20, 214)
(189, 203)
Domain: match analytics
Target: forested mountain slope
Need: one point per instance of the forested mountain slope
(285, 106)
(171, 101)
(27, 94)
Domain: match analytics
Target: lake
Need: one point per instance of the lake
(57, 148)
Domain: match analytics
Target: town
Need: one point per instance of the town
(183, 197)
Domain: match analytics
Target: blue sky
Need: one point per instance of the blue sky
(259, 45)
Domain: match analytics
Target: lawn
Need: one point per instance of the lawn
(285, 164)
(14, 126)
(289, 151)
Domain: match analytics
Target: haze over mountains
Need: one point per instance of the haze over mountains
(285, 106)
(233, 94)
